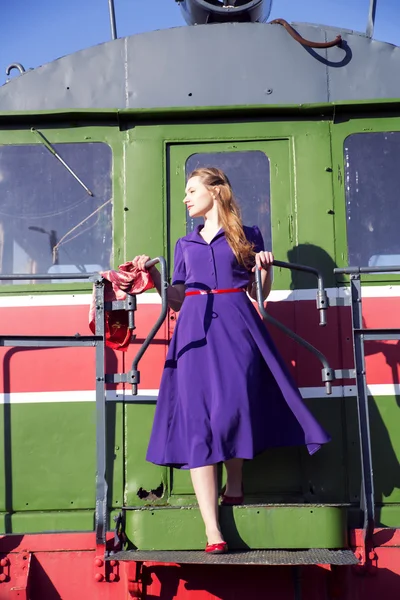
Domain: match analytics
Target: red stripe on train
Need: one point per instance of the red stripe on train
(34, 370)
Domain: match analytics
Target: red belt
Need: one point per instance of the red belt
(205, 292)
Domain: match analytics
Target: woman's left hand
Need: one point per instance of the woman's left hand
(264, 260)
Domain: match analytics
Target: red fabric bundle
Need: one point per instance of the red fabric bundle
(127, 280)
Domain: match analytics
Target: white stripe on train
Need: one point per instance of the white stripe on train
(337, 297)
(56, 397)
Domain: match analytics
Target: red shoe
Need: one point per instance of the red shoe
(231, 500)
(220, 548)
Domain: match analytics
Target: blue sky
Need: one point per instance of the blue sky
(35, 32)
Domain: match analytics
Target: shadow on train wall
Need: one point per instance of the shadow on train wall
(241, 581)
(383, 411)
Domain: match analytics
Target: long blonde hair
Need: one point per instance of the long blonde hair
(228, 212)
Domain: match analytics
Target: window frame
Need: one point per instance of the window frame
(361, 233)
(348, 125)
(62, 134)
(178, 153)
(248, 222)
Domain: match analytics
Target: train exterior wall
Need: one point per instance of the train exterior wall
(48, 410)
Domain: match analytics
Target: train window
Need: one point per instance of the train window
(249, 175)
(372, 178)
(49, 223)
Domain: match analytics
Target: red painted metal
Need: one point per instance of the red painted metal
(65, 566)
(20, 571)
(334, 341)
(64, 320)
(70, 566)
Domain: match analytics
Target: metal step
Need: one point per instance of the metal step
(314, 556)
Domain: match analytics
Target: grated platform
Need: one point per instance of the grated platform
(315, 556)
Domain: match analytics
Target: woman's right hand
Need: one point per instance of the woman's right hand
(140, 261)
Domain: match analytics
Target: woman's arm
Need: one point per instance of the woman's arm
(264, 262)
(175, 293)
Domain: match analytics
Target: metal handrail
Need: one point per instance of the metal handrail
(322, 298)
(328, 374)
(360, 335)
(98, 341)
(45, 276)
(365, 270)
(164, 309)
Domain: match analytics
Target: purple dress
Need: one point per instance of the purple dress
(225, 391)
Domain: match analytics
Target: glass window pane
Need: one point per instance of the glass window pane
(372, 177)
(48, 221)
(249, 175)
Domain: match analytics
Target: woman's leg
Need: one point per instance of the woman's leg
(204, 481)
(234, 468)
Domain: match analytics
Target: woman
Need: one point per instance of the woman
(225, 394)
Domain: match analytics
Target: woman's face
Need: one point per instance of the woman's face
(199, 200)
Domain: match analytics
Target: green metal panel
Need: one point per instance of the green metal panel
(145, 218)
(385, 441)
(314, 244)
(50, 521)
(243, 527)
(49, 456)
(141, 477)
(145, 200)
(325, 472)
(43, 522)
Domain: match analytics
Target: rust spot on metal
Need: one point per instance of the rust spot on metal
(155, 494)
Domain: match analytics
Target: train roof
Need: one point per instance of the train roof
(230, 64)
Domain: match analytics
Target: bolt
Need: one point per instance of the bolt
(98, 562)
(3, 577)
(113, 563)
(99, 577)
(4, 562)
(112, 577)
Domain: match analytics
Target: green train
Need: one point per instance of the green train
(95, 149)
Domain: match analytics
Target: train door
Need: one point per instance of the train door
(260, 175)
